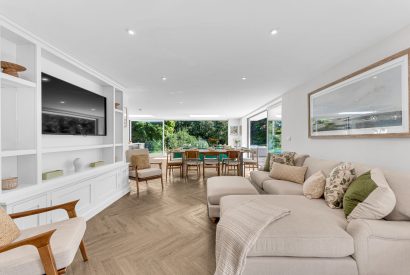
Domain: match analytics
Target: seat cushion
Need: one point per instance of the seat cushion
(217, 187)
(150, 172)
(311, 230)
(64, 244)
(282, 187)
(259, 177)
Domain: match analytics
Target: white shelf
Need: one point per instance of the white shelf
(118, 111)
(118, 144)
(75, 148)
(15, 82)
(12, 153)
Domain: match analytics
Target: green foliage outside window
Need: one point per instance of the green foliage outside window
(258, 132)
(274, 135)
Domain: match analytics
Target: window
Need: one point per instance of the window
(275, 128)
(257, 129)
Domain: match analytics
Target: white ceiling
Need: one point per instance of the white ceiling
(205, 47)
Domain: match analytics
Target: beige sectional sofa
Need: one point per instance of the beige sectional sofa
(315, 239)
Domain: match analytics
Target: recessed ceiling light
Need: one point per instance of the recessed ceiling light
(243, 78)
(93, 109)
(164, 78)
(141, 116)
(274, 32)
(375, 77)
(62, 101)
(131, 32)
(203, 116)
(180, 102)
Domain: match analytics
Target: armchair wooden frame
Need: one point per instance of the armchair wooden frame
(138, 179)
(42, 241)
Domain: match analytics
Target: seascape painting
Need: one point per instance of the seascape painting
(372, 103)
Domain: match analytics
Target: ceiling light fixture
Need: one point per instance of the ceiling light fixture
(164, 78)
(244, 78)
(131, 32)
(93, 109)
(204, 116)
(274, 32)
(141, 116)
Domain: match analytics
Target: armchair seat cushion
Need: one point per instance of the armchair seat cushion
(150, 172)
(65, 241)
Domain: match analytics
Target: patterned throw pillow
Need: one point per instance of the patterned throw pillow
(8, 229)
(140, 161)
(369, 197)
(314, 186)
(287, 172)
(287, 158)
(337, 183)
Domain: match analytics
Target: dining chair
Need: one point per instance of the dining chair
(211, 160)
(141, 170)
(192, 159)
(172, 163)
(252, 161)
(231, 162)
(46, 249)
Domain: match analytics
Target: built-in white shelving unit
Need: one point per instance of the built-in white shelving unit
(26, 153)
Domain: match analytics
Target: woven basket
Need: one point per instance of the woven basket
(10, 183)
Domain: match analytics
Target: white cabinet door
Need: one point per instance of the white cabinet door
(30, 204)
(80, 191)
(104, 187)
(122, 179)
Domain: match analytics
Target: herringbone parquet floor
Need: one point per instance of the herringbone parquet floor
(157, 232)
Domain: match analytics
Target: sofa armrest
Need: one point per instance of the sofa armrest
(381, 247)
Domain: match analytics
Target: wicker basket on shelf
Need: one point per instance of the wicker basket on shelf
(9, 183)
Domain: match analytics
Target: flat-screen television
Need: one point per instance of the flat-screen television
(70, 110)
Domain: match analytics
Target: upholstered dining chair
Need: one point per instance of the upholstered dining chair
(231, 162)
(47, 249)
(252, 161)
(172, 163)
(192, 159)
(211, 160)
(141, 170)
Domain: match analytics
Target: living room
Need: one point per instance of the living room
(180, 137)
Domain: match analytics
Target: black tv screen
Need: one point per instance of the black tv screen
(70, 110)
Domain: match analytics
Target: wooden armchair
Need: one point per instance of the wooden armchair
(53, 243)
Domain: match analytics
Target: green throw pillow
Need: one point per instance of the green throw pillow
(369, 197)
(266, 167)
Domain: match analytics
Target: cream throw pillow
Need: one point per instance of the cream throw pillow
(314, 186)
(287, 172)
(8, 229)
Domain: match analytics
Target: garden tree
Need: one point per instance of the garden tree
(258, 132)
(275, 135)
(149, 133)
(205, 129)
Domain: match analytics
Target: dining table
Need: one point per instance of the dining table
(205, 152)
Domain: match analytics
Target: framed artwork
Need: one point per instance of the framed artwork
(372, 102)
(234, 130)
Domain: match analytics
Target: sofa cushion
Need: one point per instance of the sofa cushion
(64, 244)
(218, 187)
(282, 187)
(300, 159)
(259, 177)
(369, 197)
(314, 186)
(337, 183)
(287, 158)
(311, 230)
(287, 172)
(315, 164)
(399, 182)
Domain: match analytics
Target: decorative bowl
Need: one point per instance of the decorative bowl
(11, 68)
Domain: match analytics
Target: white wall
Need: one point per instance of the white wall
(386, 153)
